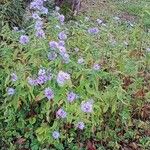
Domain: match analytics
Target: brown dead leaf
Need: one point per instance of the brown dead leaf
(20, 141)
(90, 145)
(140, 94)
(126, 82)
(145, 112)
(134, 146)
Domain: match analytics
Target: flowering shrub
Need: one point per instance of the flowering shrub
(60, 79)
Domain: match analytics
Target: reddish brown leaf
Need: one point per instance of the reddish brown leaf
(140, 93)
(126, 82)
(145, 112)
(90, 146)
(20, 141)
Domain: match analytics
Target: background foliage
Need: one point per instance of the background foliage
(120, 89)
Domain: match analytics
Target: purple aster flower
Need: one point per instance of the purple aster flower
(96, 66)
(41, 72)
(61, 43)
(38, 24)
(66, 58)
(87, 107)
(99, 21)
(36, 16)
(41, 79)
(44, 10)
(57, 8)
(14, 77)
(40, 33)
(62, 35)
(31, 81)
(61, 18)
(53, 44)
(62, 78)
(24, 39)
(56, 135)
(71, 96)
(62, 50)
(93, 31)
(49, 93)
(10, 91)
(80, 125)
(80, 60)
(34, 5)
(61, 113)
(52, 56)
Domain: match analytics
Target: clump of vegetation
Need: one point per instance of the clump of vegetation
(75, 85)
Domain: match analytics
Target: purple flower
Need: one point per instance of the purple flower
(53, 44)
(41, 72)
(71, 96)
(56, 135)
(31, 81)
(61, 113)
(62, 78)
(10, 91)
(14, 77)
(24, 39)
(52, 56)
(41, 79)
(36, 16)
(66, 58)
(61, 43)
(62, 50)
(38, 24)
(80, 125)
(96, 66)
(57, 8)
(62, 35)
(87, 107)
(61, 18)
(49, 93)
(80, 60)
(99, 21)
(40, 33)
(34, 5)
(93, 31)
(44, 10)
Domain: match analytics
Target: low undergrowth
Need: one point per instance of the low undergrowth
(77, 85)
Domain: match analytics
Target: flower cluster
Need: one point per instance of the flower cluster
(24, 39)
(71, 96)
(62, 78)
(49, 93)
(43, 77)
(59, 47)
(87, 106)
(61, 113)
(93, 31)
(56, 48)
